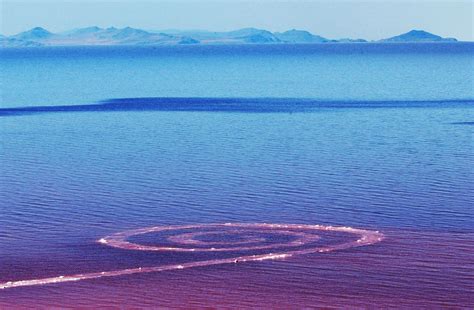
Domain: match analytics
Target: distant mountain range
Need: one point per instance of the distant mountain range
(131, 36)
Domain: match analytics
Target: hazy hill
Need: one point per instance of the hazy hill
(418, 36)
(36, 33)
(299, 36)
(97, 36)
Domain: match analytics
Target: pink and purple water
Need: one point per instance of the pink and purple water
(383, 144)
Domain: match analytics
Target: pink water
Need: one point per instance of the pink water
(407, 269)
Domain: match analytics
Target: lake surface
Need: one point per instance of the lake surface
(98, 141)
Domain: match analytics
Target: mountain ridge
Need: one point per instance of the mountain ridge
(95, 35)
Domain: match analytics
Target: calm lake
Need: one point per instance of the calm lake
(101, 140)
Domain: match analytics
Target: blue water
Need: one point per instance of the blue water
(57, 76)
(371, 136)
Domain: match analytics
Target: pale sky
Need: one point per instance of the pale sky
(333, 19)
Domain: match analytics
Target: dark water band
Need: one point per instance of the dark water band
(233, 104)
